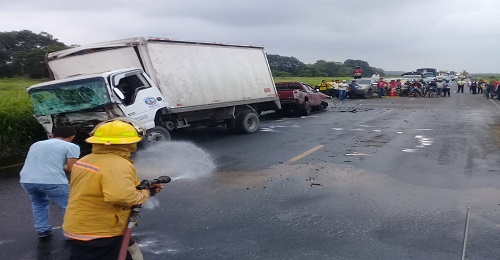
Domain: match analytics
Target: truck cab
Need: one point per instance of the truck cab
(84, 101)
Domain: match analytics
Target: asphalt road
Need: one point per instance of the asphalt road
(387, 178)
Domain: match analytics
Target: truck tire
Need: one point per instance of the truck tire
(155, 135)
(306, 108)
(247, 122)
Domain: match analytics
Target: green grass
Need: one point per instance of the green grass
(313, 81)
(18, 127)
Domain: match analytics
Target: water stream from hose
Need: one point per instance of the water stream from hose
(178, 160)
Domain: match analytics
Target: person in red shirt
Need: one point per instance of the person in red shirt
(357, 72)
(381, 87)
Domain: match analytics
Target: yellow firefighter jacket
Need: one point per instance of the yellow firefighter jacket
(102, 192)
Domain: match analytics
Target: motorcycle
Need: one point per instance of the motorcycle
(432, 92)
(415, 92)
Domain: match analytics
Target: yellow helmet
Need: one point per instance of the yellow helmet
(115, 132)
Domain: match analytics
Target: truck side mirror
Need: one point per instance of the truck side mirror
(119, 93)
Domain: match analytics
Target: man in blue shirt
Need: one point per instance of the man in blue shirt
(43, 175)
(352, 89)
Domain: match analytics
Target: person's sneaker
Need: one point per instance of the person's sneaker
(45, 234)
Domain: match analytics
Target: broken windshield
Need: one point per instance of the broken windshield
(69, 96)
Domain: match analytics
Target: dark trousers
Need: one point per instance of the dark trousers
(460, 89)
(489, 93)
(473, 89)
(334, 93)
(352, 94)
(446, 91)
(380, 92)
(97, 249)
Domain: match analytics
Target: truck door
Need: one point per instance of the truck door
(140, 98)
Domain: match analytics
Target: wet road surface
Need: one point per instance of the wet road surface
(383, 178)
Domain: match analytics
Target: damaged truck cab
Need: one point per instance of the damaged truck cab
(163, 84)
(85, 101)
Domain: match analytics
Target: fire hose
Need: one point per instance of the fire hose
(134, 214)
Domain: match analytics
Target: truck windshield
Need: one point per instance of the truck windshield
(69, 96)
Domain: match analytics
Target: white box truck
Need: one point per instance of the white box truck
(165, 84)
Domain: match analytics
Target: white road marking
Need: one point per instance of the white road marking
(495, 103)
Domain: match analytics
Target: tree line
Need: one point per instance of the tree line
(292, 67)
(22, 54)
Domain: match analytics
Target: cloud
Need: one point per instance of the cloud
(389, 34)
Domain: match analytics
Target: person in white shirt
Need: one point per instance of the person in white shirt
(343, 89)
(375, 78)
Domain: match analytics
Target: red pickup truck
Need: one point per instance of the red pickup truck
(300, 97)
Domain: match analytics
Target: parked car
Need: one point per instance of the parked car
(300, 97)
(365, 89)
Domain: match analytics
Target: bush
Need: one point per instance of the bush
(18, 128)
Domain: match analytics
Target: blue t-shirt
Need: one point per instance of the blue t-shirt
(45, 161)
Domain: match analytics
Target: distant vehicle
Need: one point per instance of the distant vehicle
(300, 97)
(365, 89)
(444, 77)
(428, 72)
(414, 75)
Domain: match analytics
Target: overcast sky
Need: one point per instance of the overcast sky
(397, 35)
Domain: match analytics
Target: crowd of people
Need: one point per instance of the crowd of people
(438, 87)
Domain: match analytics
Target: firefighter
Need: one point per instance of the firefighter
(103, 190)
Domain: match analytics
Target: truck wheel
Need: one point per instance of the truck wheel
(247, 122)
(306, 108)
(369, 93)
(155, 135)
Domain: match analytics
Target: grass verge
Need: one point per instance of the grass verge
(18, 127)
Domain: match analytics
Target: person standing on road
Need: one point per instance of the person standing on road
(103, 191)
(353, 89)
(375, 78)
(440, 86)
(43, 175)
(490, 88)
(381, 87)
(329, 88)
(460, 84)
(323, 86)
(473, 86)
(342, 89)
(335, 88)
(446, 88)
(481, 87)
